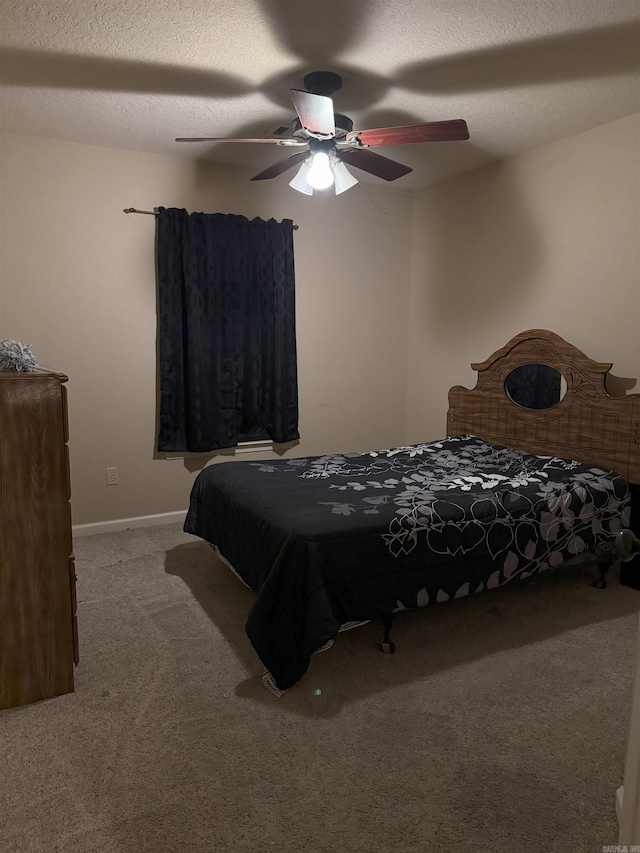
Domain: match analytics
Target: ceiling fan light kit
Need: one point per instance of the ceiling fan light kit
(333, 169)
(329, 141)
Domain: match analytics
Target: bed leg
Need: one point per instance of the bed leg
(604, 567)
(387, 646)
(624, 545)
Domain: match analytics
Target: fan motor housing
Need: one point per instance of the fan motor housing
(343, 126)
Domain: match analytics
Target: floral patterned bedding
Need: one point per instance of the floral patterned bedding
(332, 539)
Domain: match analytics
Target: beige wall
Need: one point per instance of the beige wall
(394, 298)
(547, 239)
(77, 281)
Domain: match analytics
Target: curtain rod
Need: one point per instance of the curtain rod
(155, 213)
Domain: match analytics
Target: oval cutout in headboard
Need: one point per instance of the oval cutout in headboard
(535, 386)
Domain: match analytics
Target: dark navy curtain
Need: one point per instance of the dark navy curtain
(226, 326)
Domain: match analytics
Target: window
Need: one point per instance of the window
(226, 326)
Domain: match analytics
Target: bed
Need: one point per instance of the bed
(328, 542)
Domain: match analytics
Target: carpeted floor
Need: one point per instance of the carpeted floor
(499, 725)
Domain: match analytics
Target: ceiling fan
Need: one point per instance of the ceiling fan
(327, 140)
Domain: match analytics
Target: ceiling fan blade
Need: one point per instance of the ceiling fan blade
(281, 166)
(285, 141)
(315, 113)
(375, 164)
(433, 131)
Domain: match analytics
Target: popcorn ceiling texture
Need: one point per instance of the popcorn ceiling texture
(136, 76)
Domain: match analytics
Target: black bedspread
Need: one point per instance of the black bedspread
(331, 539)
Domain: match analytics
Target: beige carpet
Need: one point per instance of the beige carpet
(499, 725)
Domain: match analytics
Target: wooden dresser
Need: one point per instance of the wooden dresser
(38, 629)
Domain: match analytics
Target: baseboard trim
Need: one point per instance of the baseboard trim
(126, 523)
(619, 799)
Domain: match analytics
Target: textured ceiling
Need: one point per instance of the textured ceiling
(136, 75)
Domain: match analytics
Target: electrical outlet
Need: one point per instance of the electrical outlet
(112, 476)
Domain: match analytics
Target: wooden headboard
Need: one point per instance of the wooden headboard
(586, 425)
